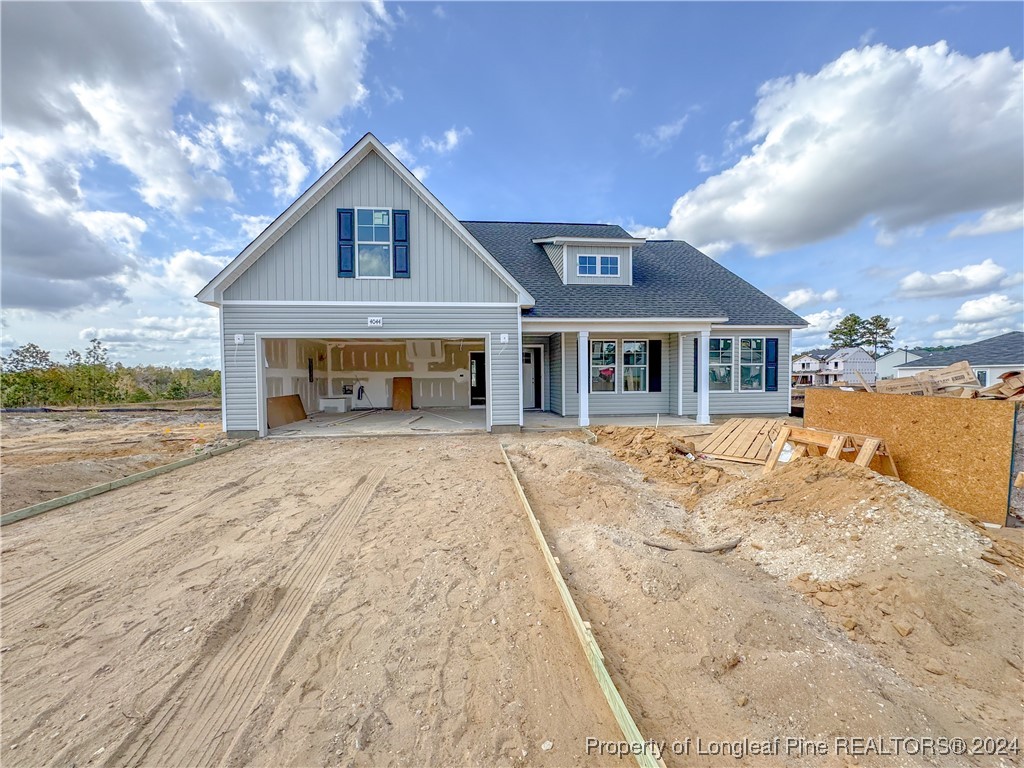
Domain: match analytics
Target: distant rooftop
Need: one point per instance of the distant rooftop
(1007, 349)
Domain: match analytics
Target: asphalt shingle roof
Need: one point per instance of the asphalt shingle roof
(1007, 349)
(670, 278)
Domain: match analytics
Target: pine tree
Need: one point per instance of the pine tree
(849, 332)
(878, 333)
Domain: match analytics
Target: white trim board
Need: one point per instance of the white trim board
(213, 292)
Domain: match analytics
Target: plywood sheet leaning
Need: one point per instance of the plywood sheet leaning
(285, 409)
(401, 393)
(957, 450)
(745, 440)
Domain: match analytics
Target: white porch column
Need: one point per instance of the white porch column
(679, 373)
(583, 375)
(704, 379)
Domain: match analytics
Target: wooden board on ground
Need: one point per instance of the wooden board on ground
(401, 393)
(958, 450)
(745, 440)
(284, 409)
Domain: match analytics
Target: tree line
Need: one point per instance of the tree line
(854, 331)
(30, 377)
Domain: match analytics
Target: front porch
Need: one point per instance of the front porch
(545, 421)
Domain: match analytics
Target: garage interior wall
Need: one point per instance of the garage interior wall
(287, 370)
(439, 369)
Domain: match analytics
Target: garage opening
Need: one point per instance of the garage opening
(373, 385)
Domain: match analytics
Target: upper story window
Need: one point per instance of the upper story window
(597, 266)
(373, 242)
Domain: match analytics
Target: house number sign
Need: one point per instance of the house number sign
(375, 322)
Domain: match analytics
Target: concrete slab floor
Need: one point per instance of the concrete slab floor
(545, 420)
(419, 421)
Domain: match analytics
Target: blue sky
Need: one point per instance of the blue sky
(860, 158)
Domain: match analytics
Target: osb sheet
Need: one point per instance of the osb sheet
(959, 451)
(284, 410)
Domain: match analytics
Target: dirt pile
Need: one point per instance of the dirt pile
(662, 456)
(853, 604)
(53, 454)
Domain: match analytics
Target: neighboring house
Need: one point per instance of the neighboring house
(990, 358)
(823, 367)
(368, 278)
(885, 366)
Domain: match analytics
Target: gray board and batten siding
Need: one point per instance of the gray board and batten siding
(303, 264)
(350, 321)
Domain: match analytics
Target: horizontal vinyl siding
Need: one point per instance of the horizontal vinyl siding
(619, 403)
(303, 264)
(555, 374)
(722, 403)
(338, 321)
(622, 253)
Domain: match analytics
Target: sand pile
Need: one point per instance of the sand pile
(661, 456)
(854, 605)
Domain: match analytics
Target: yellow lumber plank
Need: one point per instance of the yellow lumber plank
(719, 434)
(625, 720)
(835, 446)
(867, 452)
(777, 446)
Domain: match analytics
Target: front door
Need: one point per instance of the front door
(477, 379)
(530, 378)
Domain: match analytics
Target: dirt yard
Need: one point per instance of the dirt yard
(381, 601)
(45, 455)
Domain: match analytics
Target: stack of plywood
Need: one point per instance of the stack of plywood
(957, 380)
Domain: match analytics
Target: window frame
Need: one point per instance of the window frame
(597, 265)
(763, 365)
(616, 365)
(390, 243)
(731, 364)
(646, 366)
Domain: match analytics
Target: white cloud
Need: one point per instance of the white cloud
(995, 306)
(251, 226)
(705, 164)
(801, 297)
(107, 81)
(819, 324)
(867, 36)
(1005, 219)
(858, 140)
(621, 93)
(287, 170)
(188, 271)
(406, 157)
(115, 227)
(972, 278)
(439, 11)
(662, 136)
(967, 333)
(448, 141)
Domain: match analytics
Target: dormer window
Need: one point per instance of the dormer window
(589, 265)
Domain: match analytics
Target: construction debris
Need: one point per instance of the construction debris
(862, 449)
(957, 380)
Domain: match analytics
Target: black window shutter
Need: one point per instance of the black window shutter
(771, 365)
(654, 366)
(346, 243)
(696, 359)
(400, 222)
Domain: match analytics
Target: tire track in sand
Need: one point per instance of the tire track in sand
(202, 725)
(25, 601)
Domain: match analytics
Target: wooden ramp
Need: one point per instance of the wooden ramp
(745, 440)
